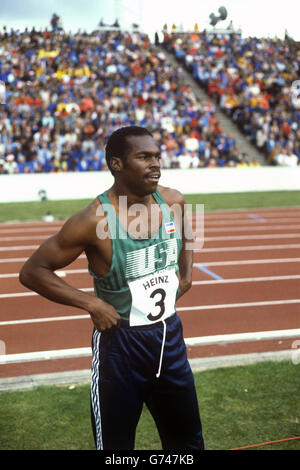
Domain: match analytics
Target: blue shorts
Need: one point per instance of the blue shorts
(144, 364)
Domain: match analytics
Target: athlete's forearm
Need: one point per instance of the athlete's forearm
(42, 279)
(48, 284)
(185, 263)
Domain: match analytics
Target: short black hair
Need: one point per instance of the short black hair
(117, 144)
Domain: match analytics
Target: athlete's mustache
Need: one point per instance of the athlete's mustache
(153, 173)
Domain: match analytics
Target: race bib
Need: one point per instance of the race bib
(153, 297)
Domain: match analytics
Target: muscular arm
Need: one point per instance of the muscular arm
(177, 202)
(185, 261)
(38, 273)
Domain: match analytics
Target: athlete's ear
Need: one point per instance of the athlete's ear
(116, 164)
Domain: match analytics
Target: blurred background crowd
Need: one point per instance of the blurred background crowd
(250, 79)
(66, 93)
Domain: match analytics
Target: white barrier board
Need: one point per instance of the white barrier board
(87, 185)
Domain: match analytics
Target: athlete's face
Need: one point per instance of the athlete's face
(141, 168)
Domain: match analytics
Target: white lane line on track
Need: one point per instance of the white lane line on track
(210, 215)
(248, 279)
(237, 213)
(234, 213)
(239, 337)
(247, 218)
(206, 225)
(246, 221)
(212, 263)
(226, 237)
(61, 273)
(34, 223)
(248, 248)
(32, 237)
(13, 260)
(45, 355)
(195, 283)
(29, 294)
(253, 237)
(18, 248)
(261, 228)
(240, 305)
(91, 289)
(192, 341)
(67, 272)
(44, 320)
(179, 309)
(21, 260)
(203, 250)
(249, 261)
(29, 230)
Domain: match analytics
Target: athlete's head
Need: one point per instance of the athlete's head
(118, 144)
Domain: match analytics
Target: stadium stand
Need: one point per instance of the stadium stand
(250, 79)
(66, 93)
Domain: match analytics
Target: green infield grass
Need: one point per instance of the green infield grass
(239, 406)
(19, 211)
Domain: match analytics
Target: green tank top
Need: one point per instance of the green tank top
(142, 283)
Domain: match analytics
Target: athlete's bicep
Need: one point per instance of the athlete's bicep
(55, 253)
(62, 248)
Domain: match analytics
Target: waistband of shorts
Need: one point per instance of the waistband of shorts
(168, 321)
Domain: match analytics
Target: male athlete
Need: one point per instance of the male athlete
(140, 266)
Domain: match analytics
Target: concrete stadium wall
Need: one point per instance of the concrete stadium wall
(61, 186)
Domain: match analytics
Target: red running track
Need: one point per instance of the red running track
(245, 296)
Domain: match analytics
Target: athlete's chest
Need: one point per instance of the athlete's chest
(160, 254)
(134, 258)
(139, 221)
(151, 275)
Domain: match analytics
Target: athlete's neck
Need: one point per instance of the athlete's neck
(118, 190)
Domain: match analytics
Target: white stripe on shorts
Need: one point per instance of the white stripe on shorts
(95, 399)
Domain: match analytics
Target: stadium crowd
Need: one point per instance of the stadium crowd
(67, 92)
(251, 80)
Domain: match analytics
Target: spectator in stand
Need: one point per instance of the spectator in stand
(191, 142)
(286, 158)
(212, 163)
(254, 163)
(3, 170)
(244, 162)
(195, 160)
(250, 78)
(96, 163)
(185, 160)
(261, 139)
(166, 157)
(66, 93)
(10, 164)
(82, 165)
(22, 164)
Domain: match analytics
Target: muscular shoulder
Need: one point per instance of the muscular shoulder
(81, 227)
(171, 196)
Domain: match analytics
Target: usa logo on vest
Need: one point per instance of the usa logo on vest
(170, 227)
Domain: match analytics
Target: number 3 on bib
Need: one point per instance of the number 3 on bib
(153, 297)
(159, 303)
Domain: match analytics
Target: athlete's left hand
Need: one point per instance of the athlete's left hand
(184, 286)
